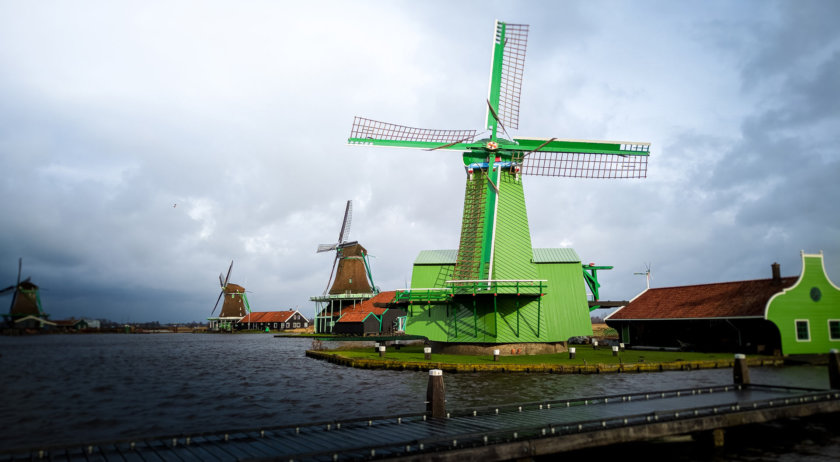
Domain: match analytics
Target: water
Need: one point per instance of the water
(62, 389)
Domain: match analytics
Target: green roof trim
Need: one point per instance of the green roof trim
(437, 257)
(558, 255)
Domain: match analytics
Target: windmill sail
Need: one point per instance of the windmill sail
(506, 70)
(369, 131)
(584, 159)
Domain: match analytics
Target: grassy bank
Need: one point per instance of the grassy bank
(587, 360)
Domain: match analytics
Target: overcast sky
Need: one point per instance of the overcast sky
(111, 113)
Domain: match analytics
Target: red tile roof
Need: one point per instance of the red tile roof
(359, 312)
(268, 316)
(720, 300)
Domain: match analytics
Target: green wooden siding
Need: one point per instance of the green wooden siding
(804, 313)
(513, 253)
(562, 313)
(565, 308)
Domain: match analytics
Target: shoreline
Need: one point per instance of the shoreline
(336, 357)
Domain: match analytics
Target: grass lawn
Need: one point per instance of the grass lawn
(585, 354)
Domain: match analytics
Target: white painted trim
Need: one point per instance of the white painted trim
(796, 329)
(681, 319)
(495, 222)
(828, 323)
(621, 308)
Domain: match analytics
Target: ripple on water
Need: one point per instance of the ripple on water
(109, 386)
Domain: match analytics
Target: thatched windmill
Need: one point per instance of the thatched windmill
(26, 298)
(234, 307)
(353, 275)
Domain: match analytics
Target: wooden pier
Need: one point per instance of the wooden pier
(490, 433)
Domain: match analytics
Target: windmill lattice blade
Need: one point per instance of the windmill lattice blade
(584, 165)
(20, 266)
(227, 278)
(221, 280)
(326, 247)
(7, 289)
(331, 273)
(217, 302)
(345, 224)
(513, 66)
(374, 130)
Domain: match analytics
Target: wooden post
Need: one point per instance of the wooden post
(427, 352)
(834, 369)
(740, 372)
(376, 346)
(572, 353)
(436, 395)
(594, 344)
(615, 351)
(621, 346)
(382, 351)
(495, 355)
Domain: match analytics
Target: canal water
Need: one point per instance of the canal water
(62, 389)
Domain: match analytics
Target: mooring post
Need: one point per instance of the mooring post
(572, 353)
(740, 372)
(376, 346)
(495, 355)
(594, 344)
(382, 351)
(834, 369)
(427, 352)
(436, 395)
(621, 346)
(615, 351)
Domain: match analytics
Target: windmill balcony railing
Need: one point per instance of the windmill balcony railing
(475, 287)
(498, 286)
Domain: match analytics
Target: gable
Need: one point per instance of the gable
(813, 300)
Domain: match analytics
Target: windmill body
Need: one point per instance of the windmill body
(353, 282)
(235, 304)
(26, 299)
(496, 288)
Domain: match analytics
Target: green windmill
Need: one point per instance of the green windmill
(495, 288)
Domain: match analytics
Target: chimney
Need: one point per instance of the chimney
(777, 273)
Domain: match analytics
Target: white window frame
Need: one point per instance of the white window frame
(796, 329)
(830, 338)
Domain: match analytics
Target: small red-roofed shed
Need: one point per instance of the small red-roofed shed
(371, 317)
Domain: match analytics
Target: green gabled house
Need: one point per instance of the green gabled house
(807, 314)
(504, 311)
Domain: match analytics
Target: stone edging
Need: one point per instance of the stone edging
(551, 368)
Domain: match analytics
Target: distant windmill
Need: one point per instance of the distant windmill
(353, 275)
(26, 299)
(235, 303)
(646, 274)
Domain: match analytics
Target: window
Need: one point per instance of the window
(803, 333)
(296, 325)
(834, 329)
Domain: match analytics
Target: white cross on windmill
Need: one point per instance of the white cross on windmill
(646, 274)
